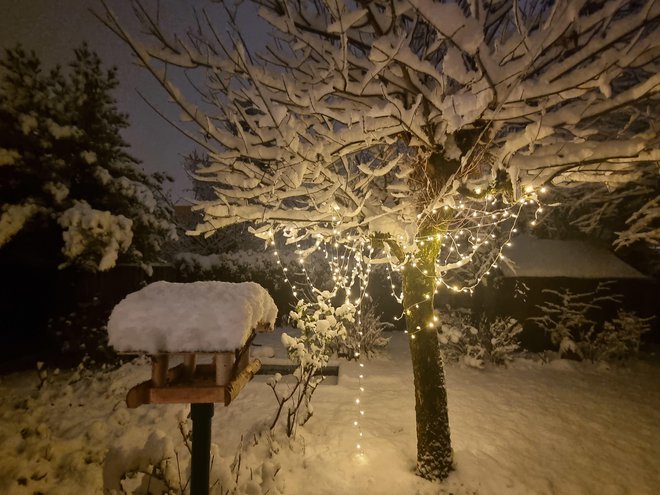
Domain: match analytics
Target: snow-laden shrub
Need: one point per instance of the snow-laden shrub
(319, 324)
(491, 341)
(251, 265)
(240, 266)
(149, 469)
(620, 337)
(364, 335)
(162, 464)
(459, 340)
(503, 343)
(567, 319)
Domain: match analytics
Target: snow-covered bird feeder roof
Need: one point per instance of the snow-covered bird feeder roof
(166, 317)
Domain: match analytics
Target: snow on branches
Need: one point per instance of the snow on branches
(379, 113)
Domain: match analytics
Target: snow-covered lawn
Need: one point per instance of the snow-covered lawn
(558, 428)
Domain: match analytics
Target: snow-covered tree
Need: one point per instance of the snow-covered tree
(70, 194)
(402, 131)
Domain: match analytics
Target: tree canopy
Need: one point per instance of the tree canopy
(443, 96)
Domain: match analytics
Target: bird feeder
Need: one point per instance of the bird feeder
(190, 382)
(191, 323)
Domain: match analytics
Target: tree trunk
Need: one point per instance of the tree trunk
(434, 453)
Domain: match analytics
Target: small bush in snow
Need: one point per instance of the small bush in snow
(275, 273)
(566, 317)
(617, 340)
(319, 324)
(364, 336)
(249, 265)
(503, 340)
(82, 331)
(568, 322)
(461, 341)
(625, 332)
(239, 266)
(150, 469)
(163, 465)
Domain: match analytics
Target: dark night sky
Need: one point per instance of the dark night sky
(53, 28)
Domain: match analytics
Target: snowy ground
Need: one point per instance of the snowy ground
(558, 428)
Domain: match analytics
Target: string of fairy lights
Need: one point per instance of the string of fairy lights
(345, 276)
(477, 234)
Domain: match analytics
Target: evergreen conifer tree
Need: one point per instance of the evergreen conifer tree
(70, 193)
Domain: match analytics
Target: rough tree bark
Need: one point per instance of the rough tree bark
(434, 452)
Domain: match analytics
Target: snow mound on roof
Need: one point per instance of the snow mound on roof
(199, 316)
(532, 257)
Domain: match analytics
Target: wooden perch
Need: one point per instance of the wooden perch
(201, 389)
(237, 384)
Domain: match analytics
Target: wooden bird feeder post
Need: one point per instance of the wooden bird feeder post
(199, 384)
